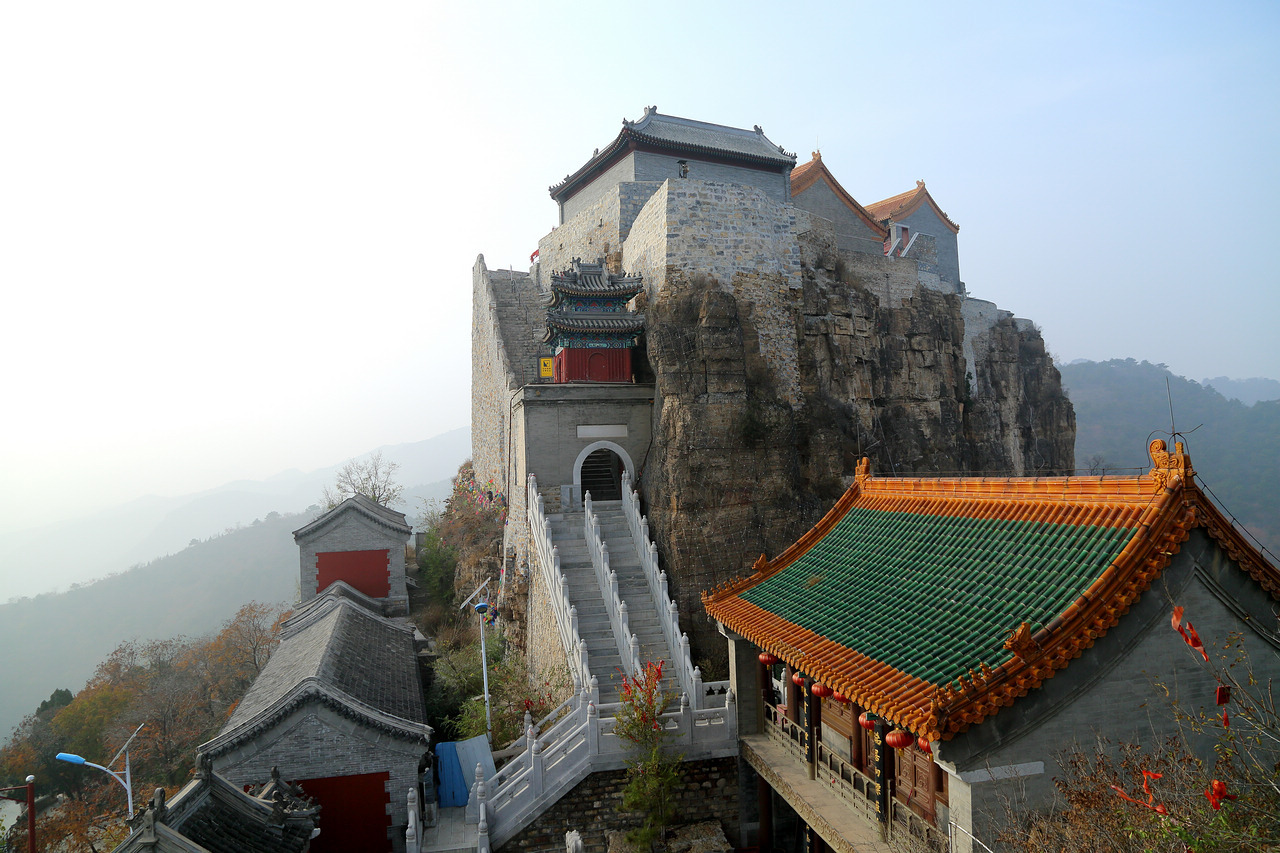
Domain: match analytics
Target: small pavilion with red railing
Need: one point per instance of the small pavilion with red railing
(590, 327)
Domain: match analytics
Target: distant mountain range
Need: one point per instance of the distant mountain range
(1247, 391)
(225, 547)
(1121, 404)
(57, 556)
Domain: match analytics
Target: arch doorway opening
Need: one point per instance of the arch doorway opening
(602, 475)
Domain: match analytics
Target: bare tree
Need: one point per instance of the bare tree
(373, 477)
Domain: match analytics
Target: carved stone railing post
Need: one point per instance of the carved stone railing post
(593, 729)
(697, 684)
(413, 831)
(731, 715)
(482, 836)
(479, 795)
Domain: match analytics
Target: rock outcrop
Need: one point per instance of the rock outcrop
(738, 469)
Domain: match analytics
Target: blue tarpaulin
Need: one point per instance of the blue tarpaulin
(453, 788)
(456, 763)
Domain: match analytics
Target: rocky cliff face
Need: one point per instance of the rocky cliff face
(739, 467)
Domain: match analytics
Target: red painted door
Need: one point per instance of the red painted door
(367, 571)
(353, 812)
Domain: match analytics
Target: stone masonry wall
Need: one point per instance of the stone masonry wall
(490, 378)
(708, 791)
(544, 651)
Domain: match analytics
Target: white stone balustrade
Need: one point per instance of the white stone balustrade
(575, 649)
(628, 645)
(687, 675)
(577, 738)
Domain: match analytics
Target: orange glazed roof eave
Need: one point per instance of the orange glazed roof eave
(1168, 501)
(902, 205)
(805, 176)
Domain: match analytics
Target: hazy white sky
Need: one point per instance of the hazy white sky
(237, 237)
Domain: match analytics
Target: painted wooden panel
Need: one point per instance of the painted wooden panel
(353, 812)
(367, 571)
(593, 365)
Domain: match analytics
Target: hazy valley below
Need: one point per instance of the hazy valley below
(222, 548)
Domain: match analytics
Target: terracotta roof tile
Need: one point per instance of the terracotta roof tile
(935, 602)
(805, 176)
(901, 206)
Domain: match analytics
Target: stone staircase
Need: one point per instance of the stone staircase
(567, 531)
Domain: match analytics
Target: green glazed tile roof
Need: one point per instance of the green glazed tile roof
(934, 603)
(934, 596)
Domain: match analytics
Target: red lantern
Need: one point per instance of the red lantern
(898, 739)
(922, 743)
(767, 659)
(840, 697)
(1223, 694)
(866, 720)
(820, 690)
(797, 679)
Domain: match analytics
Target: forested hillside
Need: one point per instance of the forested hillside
(1235, 448)
(63, 636)
(179, 690)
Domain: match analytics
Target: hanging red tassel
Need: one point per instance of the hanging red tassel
(1188, 633)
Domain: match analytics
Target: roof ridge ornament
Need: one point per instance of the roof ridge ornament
(1167, 466)
(1022, 643)
(863, 472)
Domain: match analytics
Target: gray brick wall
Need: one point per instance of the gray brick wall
(852, 232)
(662, 167)
(1115, 690)
(351, 531)
(316, 743)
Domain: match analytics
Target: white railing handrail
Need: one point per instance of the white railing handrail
(688, 675)
(575, 648)
(628, 643)
(953, 827)
(580, 739)
(581, 743)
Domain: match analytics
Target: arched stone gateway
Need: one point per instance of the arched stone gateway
(598, 470)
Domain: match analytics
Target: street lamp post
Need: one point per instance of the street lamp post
(30, 791)
(482, 607)
(126, 779)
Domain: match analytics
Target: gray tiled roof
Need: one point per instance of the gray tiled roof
(592, 280)
(578, 322)
(371, 509)
(210, 815)
(339, 651)
(684, 132)
(697, 139)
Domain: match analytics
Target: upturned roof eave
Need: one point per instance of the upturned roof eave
(942, 710)
(814, 171)
(898, 207)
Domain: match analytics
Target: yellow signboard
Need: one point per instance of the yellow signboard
(544, 368)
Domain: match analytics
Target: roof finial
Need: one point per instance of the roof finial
(920, 184)
(817, 155)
